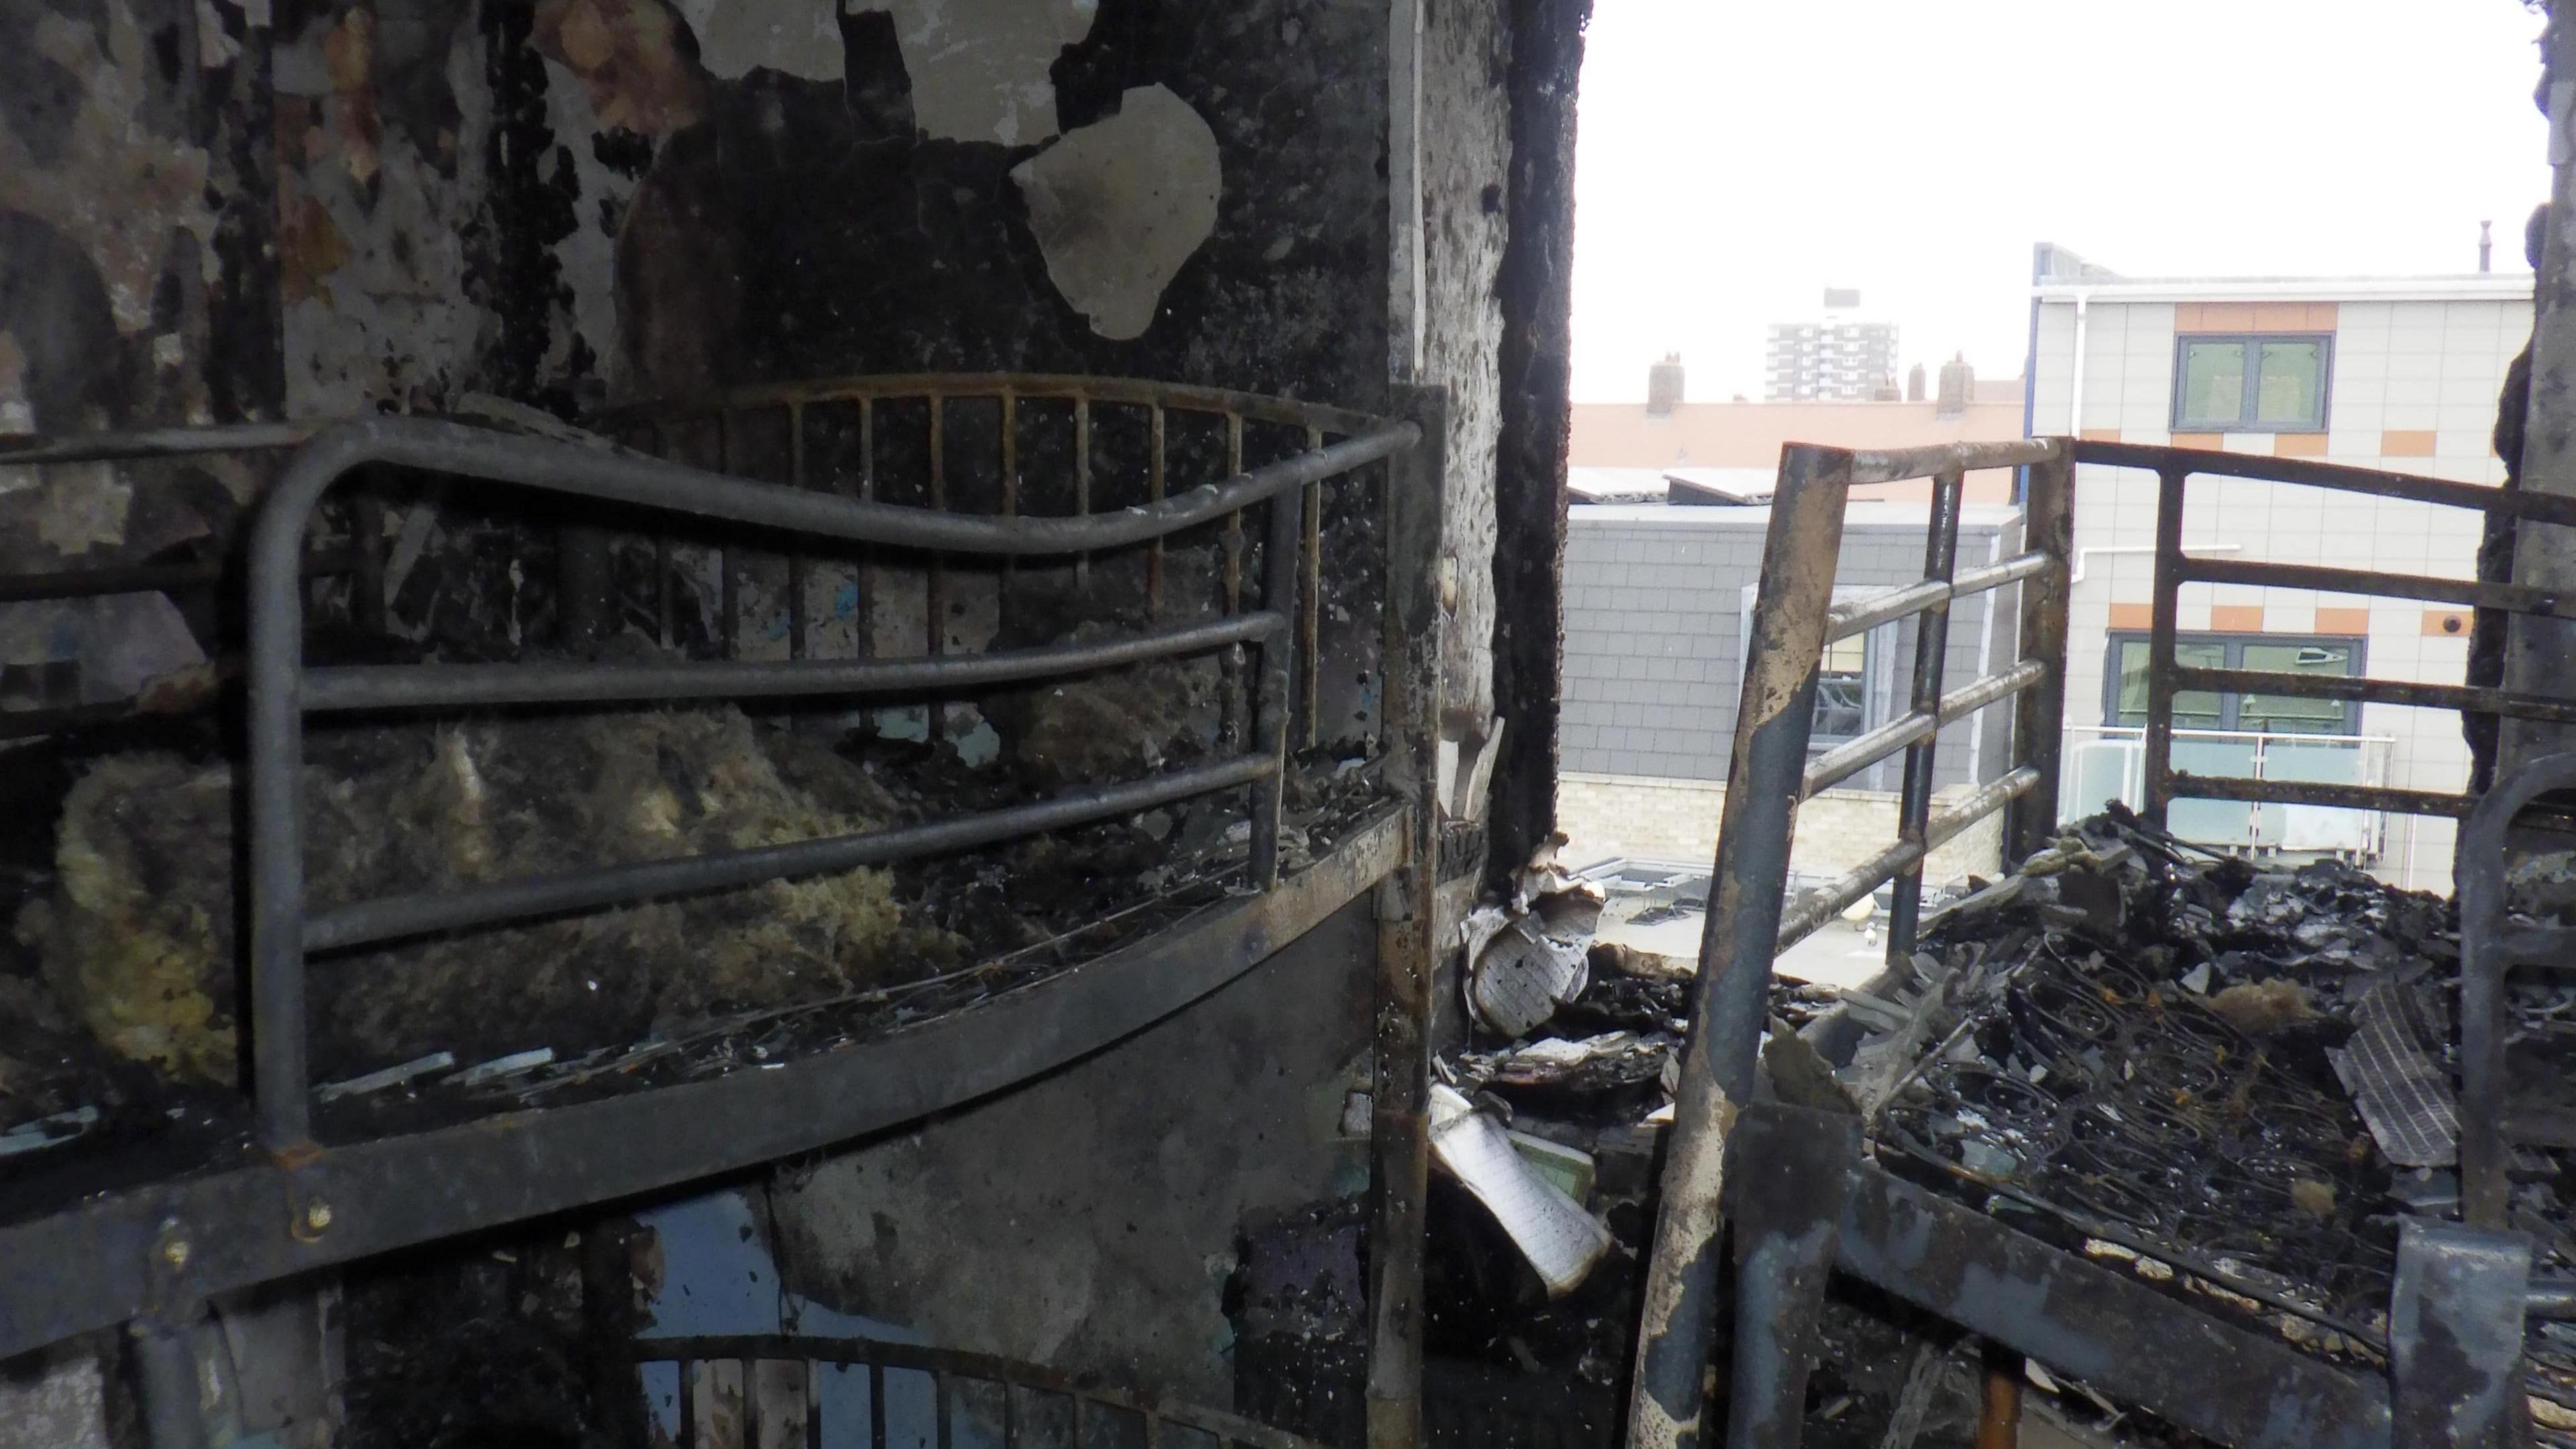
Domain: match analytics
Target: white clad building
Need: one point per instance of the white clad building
(2399, 373)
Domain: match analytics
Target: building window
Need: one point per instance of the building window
(2261, 382)
(1855, 681)
(2124, 701)
(1842, 691)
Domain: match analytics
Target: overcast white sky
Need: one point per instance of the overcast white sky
(1736, 158)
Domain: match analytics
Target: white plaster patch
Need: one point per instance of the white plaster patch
(801, 38)
(979, 67)
(1118, 207)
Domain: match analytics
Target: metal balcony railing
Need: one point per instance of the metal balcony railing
(2108, 762)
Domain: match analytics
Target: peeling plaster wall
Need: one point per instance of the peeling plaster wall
(1466, 55)
(574, 204)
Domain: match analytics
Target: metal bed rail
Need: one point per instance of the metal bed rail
(794, 411)
(2491, 945)
(2174, 568)
(283, 691)
(833, 1393)
(1794, 619)
(153, 1251)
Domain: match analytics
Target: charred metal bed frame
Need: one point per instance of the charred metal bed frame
(777, 1383)
(1806, 1204)
(2173, 468)
(150, 1256)
(1794, 618)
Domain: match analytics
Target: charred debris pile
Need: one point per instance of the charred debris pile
(2231, 1079)
(120, 977)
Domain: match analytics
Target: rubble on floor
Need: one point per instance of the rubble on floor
(2233, 1080)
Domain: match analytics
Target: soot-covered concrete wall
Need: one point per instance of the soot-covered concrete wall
(213, 211)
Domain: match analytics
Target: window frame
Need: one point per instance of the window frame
(2250, 421)
(1879, 648)
(2230, 703)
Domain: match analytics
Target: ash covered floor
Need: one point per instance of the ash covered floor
(2233, 1080)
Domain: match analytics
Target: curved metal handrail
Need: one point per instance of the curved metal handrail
(940, 1365)
(1023, 386)
(281, 692)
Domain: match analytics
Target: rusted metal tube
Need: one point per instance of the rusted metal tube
(1861, 615)
(1999, 1412)
(447, 686)
(1828, 901)
(392, 917)
(1895, 464)
(2163, 624)
(1931, 653)
(2181, 785)
(2511, 598)
(2305, 472)
(2039, 716)
(2379, 691)
(1862, 751)
(1732, 995)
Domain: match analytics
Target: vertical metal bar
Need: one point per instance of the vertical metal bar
(876, 1406)
(1154, 550)
(1407, 959)
(665, 587)
(1931, 654)
(750, 1425)
(1999, 1411)
(1236, 687)
(165, 1364)
(796, 555)
(813, 1405)
(367, 594)
(729, 580)
(1279, 571)
(1081, 481)
(867, 637)
(1010, 501)
(2160, 643)
(1310, 613)
(688, 1404)
(939, 1410)
(1793, 1169)
(1010, 1415)
(934, 585)
(1732, 996)
(280, 1070)
(2039, 714)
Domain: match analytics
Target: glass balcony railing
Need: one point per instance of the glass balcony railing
(2108, 762)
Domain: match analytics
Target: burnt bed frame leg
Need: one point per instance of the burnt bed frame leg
(1407, 943)
(2455, 1336)
(1731, 1001)
(165, 1372)
(1793, 1170)
(2039, 715)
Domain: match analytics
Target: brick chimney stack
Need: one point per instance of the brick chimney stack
(1914, 384)
(1664, 386)
(1958, 384)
